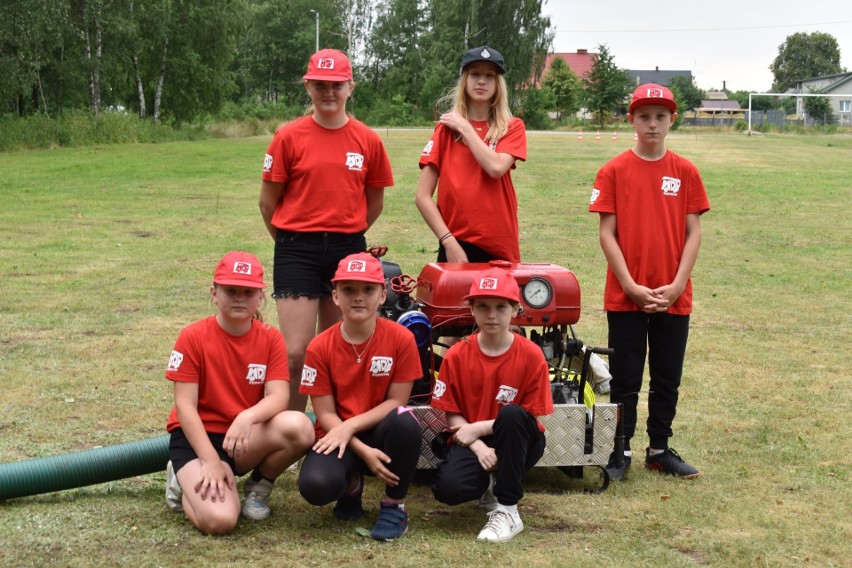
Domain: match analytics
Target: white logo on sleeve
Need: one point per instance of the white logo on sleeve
(309, 375)
(506, 394)
(427, 150)
(256, 374)
(381, 366)
(440, 389)
(174, 361)
(354, 161)
(670, 186)
(595, 194)
(267, 163)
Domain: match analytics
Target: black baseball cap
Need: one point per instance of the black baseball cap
(483, 53)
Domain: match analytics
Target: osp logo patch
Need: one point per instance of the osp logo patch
(242, 268)
(309, 376)
(354, 161)
(427, 149)
(174, 361)
(670, 186)
(256, 374)
(267, 163)
(381, 366)
(325, 63)
(506, 394)
(439, 390)
(595, 194)
(487, 283)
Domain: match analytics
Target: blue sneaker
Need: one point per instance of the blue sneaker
(392, 522)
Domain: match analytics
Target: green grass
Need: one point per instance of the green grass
(107, 252)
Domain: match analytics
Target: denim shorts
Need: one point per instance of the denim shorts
(181, 451)
(305, 263)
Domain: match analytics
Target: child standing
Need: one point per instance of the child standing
(650, 201)
(323, 186)
(470, 155)
(230, 415)
(493, 384)
(359, 374)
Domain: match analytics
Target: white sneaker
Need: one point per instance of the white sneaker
(488, 501)
(501, 526)
(256, 505)
(174, 494)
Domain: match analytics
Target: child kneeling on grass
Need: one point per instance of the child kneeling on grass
(493, 384)
(230, 416)
(359, 374)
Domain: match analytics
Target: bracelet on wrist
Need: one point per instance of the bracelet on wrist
(446, 236)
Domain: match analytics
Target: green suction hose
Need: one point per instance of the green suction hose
(99, 465)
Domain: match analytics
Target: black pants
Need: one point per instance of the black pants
(664, 337)
(323, 478)
(518, 443)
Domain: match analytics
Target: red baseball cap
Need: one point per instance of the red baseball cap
(494, 283)
(238, 268)
(652, 94)
(360, 267)
(329, 65)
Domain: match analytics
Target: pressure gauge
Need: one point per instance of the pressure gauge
(537, 292)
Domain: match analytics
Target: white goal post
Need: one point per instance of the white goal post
(787, 95)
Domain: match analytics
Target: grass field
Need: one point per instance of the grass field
(107, 252)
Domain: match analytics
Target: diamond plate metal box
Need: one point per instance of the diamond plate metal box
(566, 435)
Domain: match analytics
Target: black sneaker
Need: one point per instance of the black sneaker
(617, 473)
(349, 507)
(671, 463)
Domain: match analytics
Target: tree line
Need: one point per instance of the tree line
(182, 60)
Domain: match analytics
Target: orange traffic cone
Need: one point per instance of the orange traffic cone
(614, 136)
(598, 136)
(580, 136)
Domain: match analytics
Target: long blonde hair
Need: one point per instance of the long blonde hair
(499, 115)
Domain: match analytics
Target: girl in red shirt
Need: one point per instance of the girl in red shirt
(324, 176)
(359, 375)
(230, 415)
(469, 159)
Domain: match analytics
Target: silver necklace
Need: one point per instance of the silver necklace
(349, 341)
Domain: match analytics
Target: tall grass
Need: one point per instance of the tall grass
(106, 252)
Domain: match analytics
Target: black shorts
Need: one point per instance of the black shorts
(181, 452)
(473, 252)
(305, 263)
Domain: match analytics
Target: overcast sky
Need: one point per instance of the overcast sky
(721, 40)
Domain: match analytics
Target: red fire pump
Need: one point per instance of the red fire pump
(580, 433)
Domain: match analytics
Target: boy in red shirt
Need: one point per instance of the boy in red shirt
(493, 384)
(359, 374)
(650, 201)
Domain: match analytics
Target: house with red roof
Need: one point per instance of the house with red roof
(580, 63)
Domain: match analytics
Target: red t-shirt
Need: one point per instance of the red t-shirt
(651, 200)
(477, 208)
(326, 174)
(331, 368)
(231, 371)
(476, 385)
